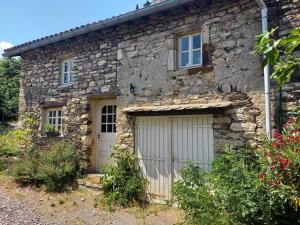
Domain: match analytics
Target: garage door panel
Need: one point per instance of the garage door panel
(165, 145)
(152, 135)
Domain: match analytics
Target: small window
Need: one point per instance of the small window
(55, 118)
(67, 67)
(190, 51)
(108, 119)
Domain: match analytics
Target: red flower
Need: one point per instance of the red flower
(273, 165)
(277, 135)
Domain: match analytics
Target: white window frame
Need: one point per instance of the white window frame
(106, 123)
(190, 51)
(68, 73)
(56, 117)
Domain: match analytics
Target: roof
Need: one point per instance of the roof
(152, 9)
(177, 107)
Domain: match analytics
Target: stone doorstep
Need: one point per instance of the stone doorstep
(91, 181)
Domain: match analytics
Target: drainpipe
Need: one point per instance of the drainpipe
(264, 24)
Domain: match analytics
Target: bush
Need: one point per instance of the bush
(123, 183)
(2, 165)
(198, 197)
(26, 169)
(238, 191)
(59, 167)
(11, 141)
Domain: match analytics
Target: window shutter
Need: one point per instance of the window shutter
(172, 53)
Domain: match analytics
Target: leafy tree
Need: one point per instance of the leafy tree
(9, 88)
(280, 54)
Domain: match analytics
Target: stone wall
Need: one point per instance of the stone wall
(143, 53)
(231, 71)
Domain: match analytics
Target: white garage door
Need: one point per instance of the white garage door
(164, 145)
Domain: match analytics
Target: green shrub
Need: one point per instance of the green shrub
(59, 167)
(25, 170)
(2, 165)
(123, 183)
(200, 198)
(11, 141)
(237, 191)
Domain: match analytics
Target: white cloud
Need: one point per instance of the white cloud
(4, 45)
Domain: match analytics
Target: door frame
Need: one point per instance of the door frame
(100, 103)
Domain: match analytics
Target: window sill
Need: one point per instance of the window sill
(196, 69)
(62, 86)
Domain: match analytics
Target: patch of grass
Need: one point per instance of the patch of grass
(149, 209)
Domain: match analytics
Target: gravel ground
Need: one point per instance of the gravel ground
(16, 213)
(30, 206)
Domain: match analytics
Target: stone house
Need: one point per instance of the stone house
(175, 81)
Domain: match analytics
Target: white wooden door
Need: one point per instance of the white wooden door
(164, 145)
(106, 132)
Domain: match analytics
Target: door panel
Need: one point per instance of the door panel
(164, 145)
(106, 132)
(153, 151)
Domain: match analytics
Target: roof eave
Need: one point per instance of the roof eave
(98, 26)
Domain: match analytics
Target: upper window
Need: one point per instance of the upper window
(67, 67)
(190, 51)
(55, 118)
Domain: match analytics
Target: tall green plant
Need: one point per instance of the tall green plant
(123, 183)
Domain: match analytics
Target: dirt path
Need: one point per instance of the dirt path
(29, 206)
(15, 212)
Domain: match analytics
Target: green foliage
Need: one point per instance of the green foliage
(26, 169)
(123, 183)
(59, 168)
(199, 197)
(50, 128)
(280, 53)
(11, 141)
(2, 165)
(9, 88)
(237, 191)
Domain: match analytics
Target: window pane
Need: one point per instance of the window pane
(59, 113)
(50, 121)
(54, 113)
(103, 128)
(196, 42)
(65, 78)
(59, 121)
(114, 120)
(115, 128)
(185, 59)
(103, 109)
(110, 108)
(110, 119)
(115, 109)
(109, 128)
(103, 120)
(185, 44)
(66, 67)
(50, 113)
(196, 57)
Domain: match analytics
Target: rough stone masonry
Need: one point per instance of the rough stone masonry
(143, 52)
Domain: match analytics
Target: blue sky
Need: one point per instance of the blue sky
(26, 20)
